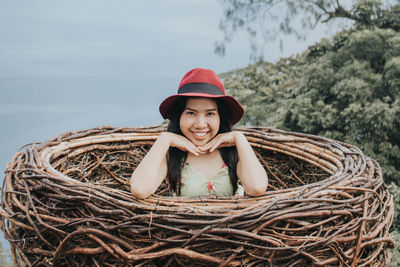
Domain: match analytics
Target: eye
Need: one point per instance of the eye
(210, 113)
(188, 112)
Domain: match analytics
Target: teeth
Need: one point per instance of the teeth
(200, 134)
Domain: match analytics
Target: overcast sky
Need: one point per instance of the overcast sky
(73, 65)
(99, 58)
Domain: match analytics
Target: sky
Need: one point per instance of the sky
(74, 65)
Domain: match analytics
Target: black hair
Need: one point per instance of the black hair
(176, 157)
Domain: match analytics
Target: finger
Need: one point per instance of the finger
(222, 143)
(215, 146)
(217, 142)
(194, 149)
(198, 151)
(188, 148)
(193, 152)
(207, 146)
(186, 145)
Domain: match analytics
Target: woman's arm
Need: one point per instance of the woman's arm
(152, 170)
(251, 173)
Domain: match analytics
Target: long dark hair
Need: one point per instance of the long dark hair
(177, 157)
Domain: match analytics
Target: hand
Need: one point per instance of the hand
(181, 142)
(221, 140)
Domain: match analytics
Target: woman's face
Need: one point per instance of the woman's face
(199, 121)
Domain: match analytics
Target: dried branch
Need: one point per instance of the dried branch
(67, 201)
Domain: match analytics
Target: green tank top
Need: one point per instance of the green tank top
(194, 184)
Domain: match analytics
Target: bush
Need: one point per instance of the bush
(347, 88)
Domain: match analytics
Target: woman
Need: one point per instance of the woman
(200, 154)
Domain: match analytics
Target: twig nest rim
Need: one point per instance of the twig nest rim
(343, 219)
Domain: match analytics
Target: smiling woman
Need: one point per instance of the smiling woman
(200, 154)
(200, 121)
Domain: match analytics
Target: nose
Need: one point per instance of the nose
(200, 122)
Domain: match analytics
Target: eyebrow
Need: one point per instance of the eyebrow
(211, 109)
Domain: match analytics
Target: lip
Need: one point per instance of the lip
(194, 133)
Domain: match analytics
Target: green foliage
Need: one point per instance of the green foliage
(389, 18)
(366, 11)
(395, 191)
(395, 251)
(347, 88)
(268, 20)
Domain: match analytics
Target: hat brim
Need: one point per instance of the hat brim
(235, 110)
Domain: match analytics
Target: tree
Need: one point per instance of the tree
(297, 17)
(347, 88)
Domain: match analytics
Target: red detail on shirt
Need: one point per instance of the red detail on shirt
(210, 186)
(224, 165)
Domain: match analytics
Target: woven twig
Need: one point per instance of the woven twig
(67, 202)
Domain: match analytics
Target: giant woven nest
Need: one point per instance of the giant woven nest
(67, 202)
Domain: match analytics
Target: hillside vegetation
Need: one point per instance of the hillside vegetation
(346, 88)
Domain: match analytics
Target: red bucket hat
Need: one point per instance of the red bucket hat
(202, 83)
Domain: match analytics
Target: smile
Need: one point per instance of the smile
(200, 134)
